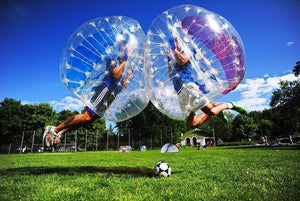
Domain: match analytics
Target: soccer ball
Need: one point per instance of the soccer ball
(162, 169)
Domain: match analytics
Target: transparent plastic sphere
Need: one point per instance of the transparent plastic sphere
(89, 60)
(214, 48)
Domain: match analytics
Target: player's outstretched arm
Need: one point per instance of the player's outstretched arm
(129, 75)
(118, 70)
(180, 58)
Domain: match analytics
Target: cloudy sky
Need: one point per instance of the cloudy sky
(33, 34)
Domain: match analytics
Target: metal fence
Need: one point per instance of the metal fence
(79, 140)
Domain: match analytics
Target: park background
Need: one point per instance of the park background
(32, 96)
(32, 37)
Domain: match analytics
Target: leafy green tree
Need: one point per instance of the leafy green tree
(266, 127)
(149, 124)
(11, 121)
(256, 116)
(244, 127)
(64, 114)
(285, 103)
(296, 69)
(221, 129)
(93, 129)
(264, 122)
(287, 95)
(17, 118)
(36, 117)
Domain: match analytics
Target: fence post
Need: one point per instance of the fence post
(106, 140)
(65, 141)
(140, 141)
(21, 148)
(9, 148)
(43, 145)
(118, 140)
(132, 143)
(76, 140)
(97, 141)
(172, 141)
(32, 141)
(85, 140)
(160, 138)
(129, 136)
(213, 131)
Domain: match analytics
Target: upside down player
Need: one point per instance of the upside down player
(104, 94)
(190, 96)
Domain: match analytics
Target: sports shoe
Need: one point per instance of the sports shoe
(56, 139)
(48, 136)
(238, 108)
(222, 116)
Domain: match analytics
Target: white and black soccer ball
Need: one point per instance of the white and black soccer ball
(162, 169)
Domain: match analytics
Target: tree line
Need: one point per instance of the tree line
(281, 120)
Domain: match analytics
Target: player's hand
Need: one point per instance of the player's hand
(172, 43)
(125, 56)
(194, 51)
(130, 71)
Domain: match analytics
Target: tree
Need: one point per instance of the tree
(11, 121)
(16, 118)
(221, 129)
(65, 114)
(264, 122)
(287, 95)
(285, 103)
(244, 127)
(92, 129)
(150, 123)
(296, 69)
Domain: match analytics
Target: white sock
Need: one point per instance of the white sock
(229, 105)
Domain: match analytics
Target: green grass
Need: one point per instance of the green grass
(220, 173)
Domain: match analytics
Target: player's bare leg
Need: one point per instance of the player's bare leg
(213, 109)
(195, 120)
(71, 123)
(75, 121)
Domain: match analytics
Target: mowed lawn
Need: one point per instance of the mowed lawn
(218, 173)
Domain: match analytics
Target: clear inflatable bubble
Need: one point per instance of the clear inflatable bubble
(102, 64)
(213, 47)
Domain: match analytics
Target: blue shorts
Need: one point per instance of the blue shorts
(91, 111)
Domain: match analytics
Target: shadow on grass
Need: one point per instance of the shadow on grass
(133, 171)
(262, 147)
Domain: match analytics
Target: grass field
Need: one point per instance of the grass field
(219, 173)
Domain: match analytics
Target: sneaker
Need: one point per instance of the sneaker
(222, 116)
(48, 136)
(56, 139)
(238, 108)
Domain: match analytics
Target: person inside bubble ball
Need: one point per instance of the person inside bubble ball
(104, 94)
(191, 98)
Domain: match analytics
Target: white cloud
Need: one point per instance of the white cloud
(290, 43)
(27, 102)
(67, 103)
(256, 93)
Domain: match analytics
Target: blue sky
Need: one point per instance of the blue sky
(34, 32)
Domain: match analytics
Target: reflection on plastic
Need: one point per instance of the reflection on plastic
(87, 63)
(214, 48)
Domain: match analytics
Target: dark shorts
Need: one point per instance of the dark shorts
(92, 112)
(102, 99)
